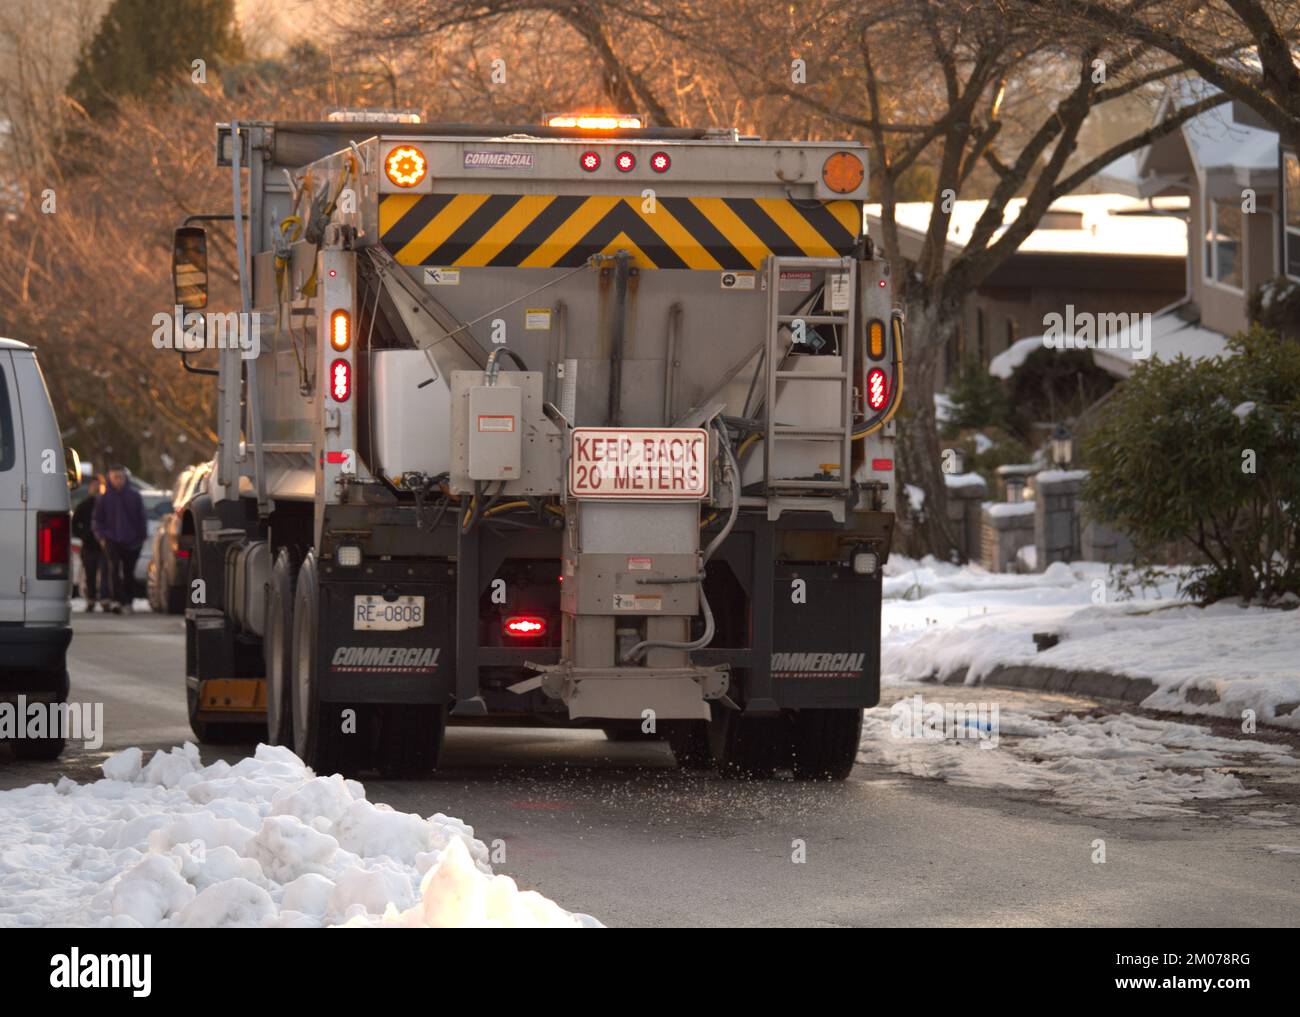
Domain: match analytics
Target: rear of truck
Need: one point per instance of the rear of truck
(554, 427)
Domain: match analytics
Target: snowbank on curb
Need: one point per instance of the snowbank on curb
(264, 842)
(940, 620)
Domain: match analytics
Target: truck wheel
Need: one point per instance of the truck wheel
(745, 748)
(56, 679)
(824, 743)
(411, 740)
(689, 741)
(317, 726)
(277, 649)
(38, 748)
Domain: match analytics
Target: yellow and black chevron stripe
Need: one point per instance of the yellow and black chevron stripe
(550, 231)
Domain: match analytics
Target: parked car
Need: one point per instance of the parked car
(35, 531)
(169, 552)
(157, 507)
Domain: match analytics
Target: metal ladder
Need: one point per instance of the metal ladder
(795, 492)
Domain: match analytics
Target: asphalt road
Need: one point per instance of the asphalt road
(617, 831)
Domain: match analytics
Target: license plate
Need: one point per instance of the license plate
(370, 611)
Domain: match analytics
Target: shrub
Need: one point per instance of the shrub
(1276, 305)
(1208, 453)
(978, 399)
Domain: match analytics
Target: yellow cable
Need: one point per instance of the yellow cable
(503, 508)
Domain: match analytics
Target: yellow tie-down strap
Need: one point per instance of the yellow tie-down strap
(563, 231)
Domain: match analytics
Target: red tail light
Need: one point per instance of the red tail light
(625, 162)
(877, 389)
(659, 162)
(524, 627)
(53, 536)
(340, 380)
(589, 161)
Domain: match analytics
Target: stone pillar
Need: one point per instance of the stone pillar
(1008, 526)
(966, 492)
(1102, 543)
(1056, 516)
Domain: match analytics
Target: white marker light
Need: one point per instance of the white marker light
(865, 562)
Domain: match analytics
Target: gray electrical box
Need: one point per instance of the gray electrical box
(495, 432)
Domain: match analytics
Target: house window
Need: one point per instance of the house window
(1223, 245)
(1291, 211)
(979, 335)
(1013, 331)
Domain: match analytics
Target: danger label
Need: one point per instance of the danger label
(617, 462)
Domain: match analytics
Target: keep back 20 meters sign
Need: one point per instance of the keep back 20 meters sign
(639, 462)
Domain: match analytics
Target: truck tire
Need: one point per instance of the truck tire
(38, 748)
(824, 743)
(317, 727)
(411, 740)
(277, 648)
(689, 741)
(745, 748)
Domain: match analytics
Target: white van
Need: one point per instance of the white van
(34, 543)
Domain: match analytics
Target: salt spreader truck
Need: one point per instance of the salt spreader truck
(579, 425)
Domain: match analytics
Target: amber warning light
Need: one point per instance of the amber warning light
(406, 166)
(596, 121)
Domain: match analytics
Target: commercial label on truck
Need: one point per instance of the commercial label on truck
(639, 462)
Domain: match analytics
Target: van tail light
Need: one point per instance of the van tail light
(53, 538)
(524, 627)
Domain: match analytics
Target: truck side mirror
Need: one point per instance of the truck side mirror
(72, 462)
(190, 267)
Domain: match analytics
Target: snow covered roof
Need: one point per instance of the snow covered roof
(1075, 224)
(1014, 355)
(1171, 336)
(1216, 141)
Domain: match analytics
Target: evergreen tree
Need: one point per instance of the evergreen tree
(142, 46)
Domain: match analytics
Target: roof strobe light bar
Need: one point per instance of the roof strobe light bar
(596, 121)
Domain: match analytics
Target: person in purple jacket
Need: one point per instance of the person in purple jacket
(119, 526)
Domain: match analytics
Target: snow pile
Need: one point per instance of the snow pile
(264, 842)
(1119, 767)
(941, 621)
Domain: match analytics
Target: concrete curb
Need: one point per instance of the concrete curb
(1100, 684)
